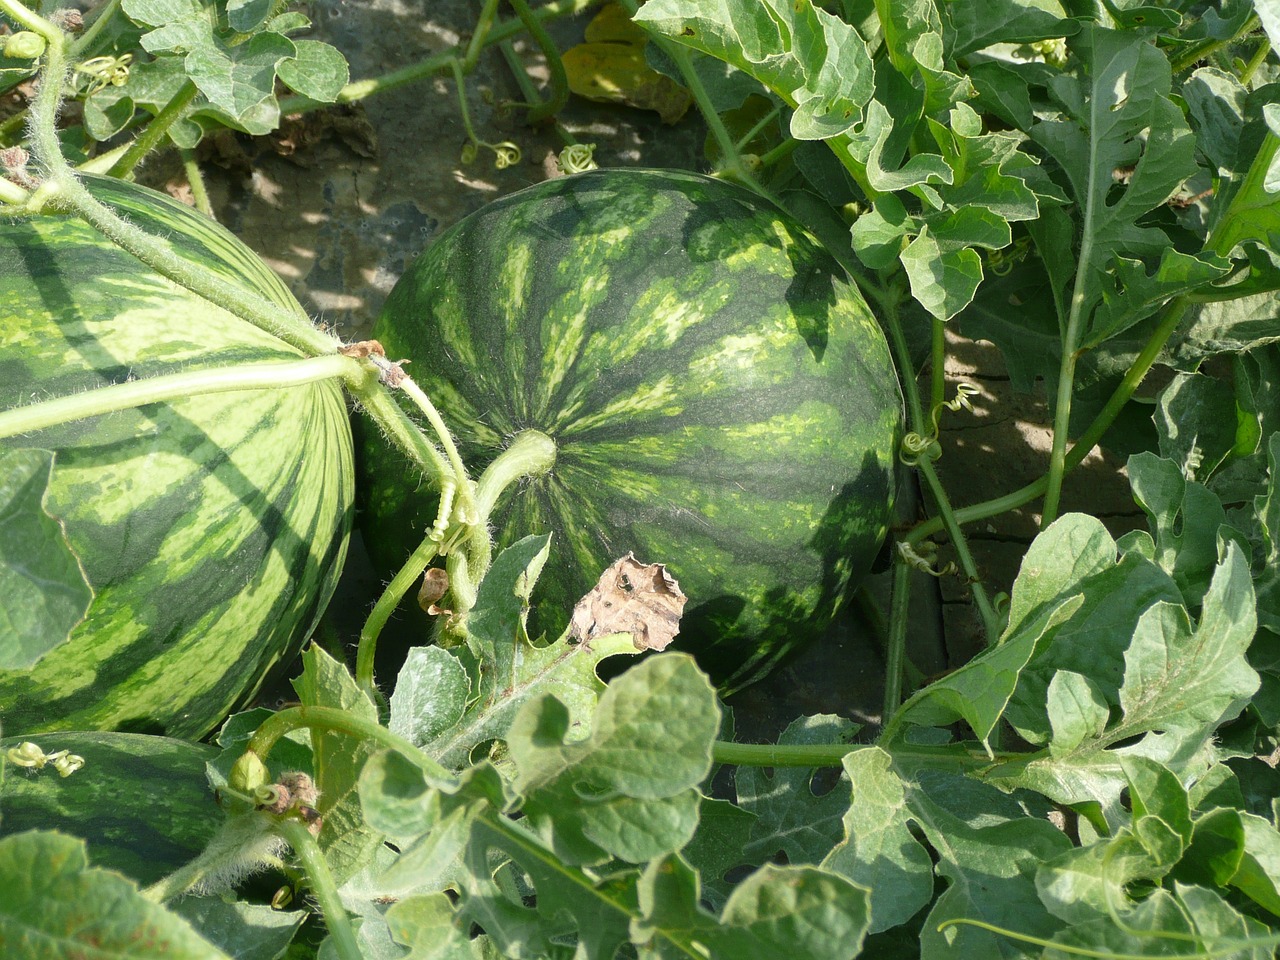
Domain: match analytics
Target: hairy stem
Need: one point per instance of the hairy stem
(338, 721)
(320, 880)
(154, 132)
(273, 375)
(405, 578)
(289, 326)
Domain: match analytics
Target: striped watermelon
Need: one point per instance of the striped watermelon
(721, 399)
(144, 804)
(213, 529)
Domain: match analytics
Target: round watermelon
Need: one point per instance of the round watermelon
(721, 400)
(212, 529)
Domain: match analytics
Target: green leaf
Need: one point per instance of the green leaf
(988, 850)
(246, 931)
(345, 838)
(56, 906)
(719, 845)
(1267, 508)
(317, 70)
(428, 926)
(1077, 712)
(1117, 116)
(1161, 809)
(46, 594)
(790, 818)
(942, 280)
(514, 670)
(1094, 640)
(1077, 885)
(628, 789)
(1186, 519)
(496, 624)
(1177, 678)
(1202, 922)
(810, 58)
(879, 852)
(1130, 294)
(431, 695)
(245, 16)
(878, 235)
(801, 913)
(1197, 421)
(972, 27)
(237, 79)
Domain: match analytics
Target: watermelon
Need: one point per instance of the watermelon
(143, 803)
(212, 529)
(721, 399)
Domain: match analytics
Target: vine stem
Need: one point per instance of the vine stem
(338, 721)
(439, 63)
(896, 646)
(320, 880)
(559, 86)
(176, 386)
(405, 577)
(154, 132)
(990, 621)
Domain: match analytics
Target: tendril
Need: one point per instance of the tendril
(577, 158)
(924, 559)
(99, 72)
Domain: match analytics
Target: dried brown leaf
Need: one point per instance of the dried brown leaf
(641, 599)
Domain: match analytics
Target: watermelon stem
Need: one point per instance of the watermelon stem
(405, 577)
(274, 375)
(338, 720)
(244, 844)
(530, 454)
(323, 886)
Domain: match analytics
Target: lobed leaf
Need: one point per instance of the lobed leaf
(56, 906)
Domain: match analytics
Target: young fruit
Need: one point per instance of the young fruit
(720, 396)
(212, 529)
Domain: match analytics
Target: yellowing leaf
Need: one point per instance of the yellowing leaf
(611, 68)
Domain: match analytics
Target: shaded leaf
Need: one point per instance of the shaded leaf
(879, 852)
(46, 594)
(790, 817)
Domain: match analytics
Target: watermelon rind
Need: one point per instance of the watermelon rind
(143, 803)
(212, 529)
(721, 398)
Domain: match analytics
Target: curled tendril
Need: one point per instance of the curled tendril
(506, 154)
(924, 559)
(1000, 262)
(99, 72)
(577, 158)
(964, 390)
(915, 446)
